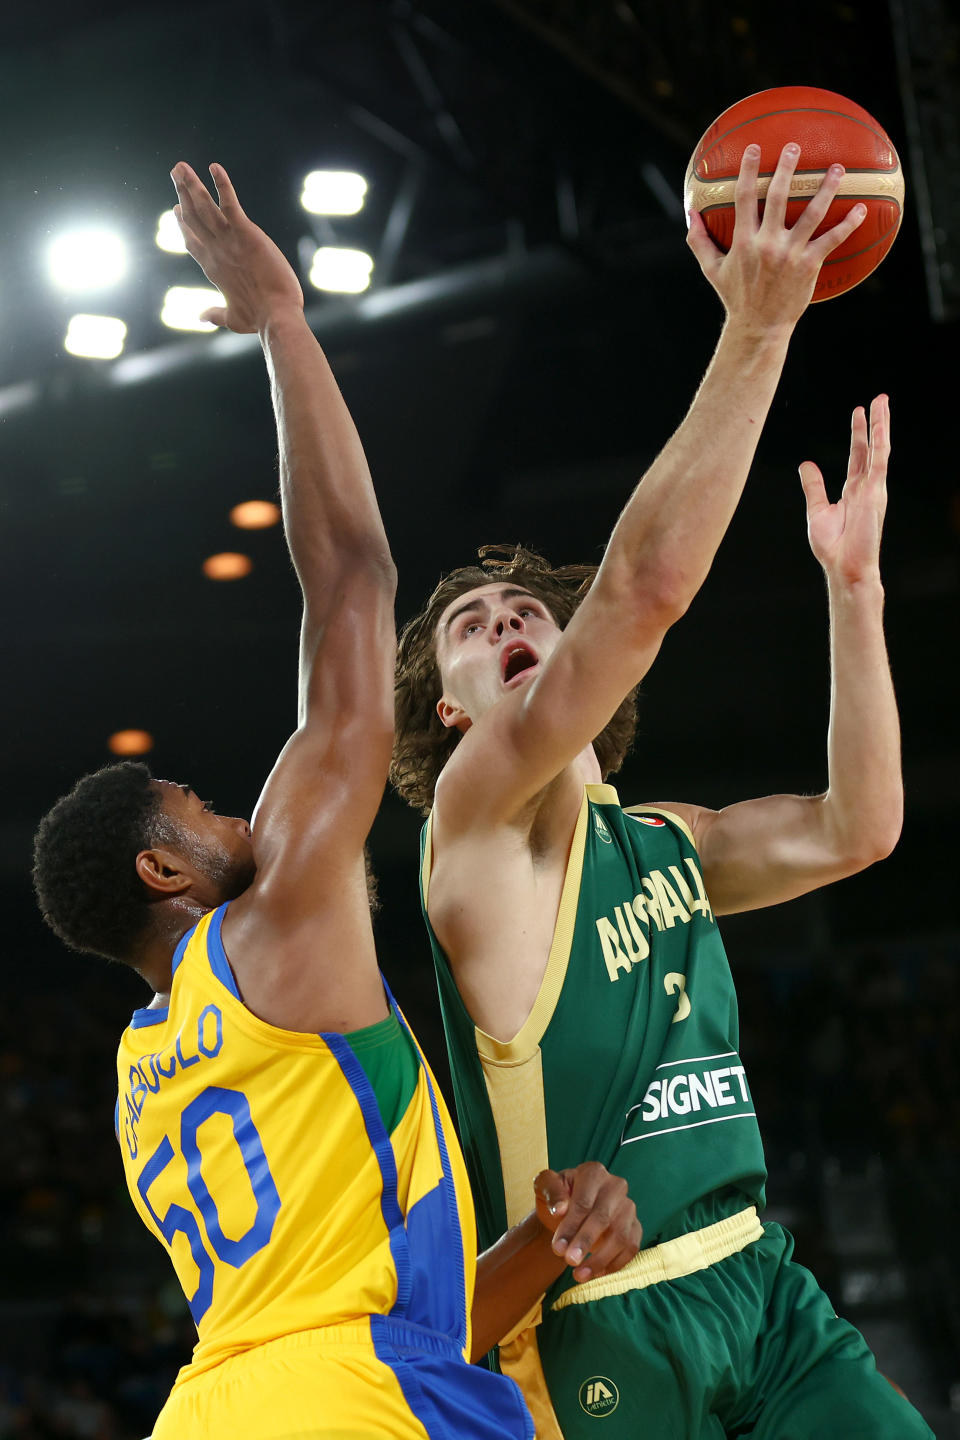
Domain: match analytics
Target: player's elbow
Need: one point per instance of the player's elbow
(873, 843)
(649, 599)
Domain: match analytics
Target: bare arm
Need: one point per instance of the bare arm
(307, 907)
(579, 1213)
(763, 851)
(664, 543)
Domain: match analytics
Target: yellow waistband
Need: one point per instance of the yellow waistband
(672, 1259)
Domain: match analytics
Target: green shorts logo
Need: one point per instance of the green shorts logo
(599, 1396)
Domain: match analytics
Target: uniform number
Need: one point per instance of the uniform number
(214, 1100)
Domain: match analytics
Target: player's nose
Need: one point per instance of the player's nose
(507, 620)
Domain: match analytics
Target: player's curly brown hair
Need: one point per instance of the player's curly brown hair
(423, 744)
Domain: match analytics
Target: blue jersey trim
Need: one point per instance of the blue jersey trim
(449, 1189)
(356, 1078)
(140, 1018)
(216, 954)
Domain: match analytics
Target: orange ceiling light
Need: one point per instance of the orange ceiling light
(228, 565)
(130, 742)
(255, 515)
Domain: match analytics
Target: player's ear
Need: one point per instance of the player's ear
(163, 872)
(452, 714)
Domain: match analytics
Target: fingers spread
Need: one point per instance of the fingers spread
(745, 192)
(880, 431)
(814, 489)
(775, 205)
(699, 240)
(229, 204)
(817, 208)
(826, 244)
(859, 445)
(197, 205)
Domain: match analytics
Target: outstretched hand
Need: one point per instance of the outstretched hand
(767, 277)
(592, 1218)
(235, 255)
(845, 537)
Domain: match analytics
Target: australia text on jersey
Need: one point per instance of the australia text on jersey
(204, 1042)
(662, 901)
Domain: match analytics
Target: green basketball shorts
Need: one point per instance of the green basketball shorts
(748, 1346)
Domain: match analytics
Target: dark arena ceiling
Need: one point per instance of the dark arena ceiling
(534, 331)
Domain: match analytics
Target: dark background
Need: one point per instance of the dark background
(535, 330)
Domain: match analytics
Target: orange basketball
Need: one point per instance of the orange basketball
(829, 129)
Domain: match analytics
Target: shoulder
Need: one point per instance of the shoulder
(692, 820)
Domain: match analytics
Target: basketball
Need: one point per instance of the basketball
(829, 129)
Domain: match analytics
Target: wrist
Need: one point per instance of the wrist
(749, 332)
(538, 1239)
(281, 317)
(865, 588)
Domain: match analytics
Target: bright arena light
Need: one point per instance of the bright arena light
(345, 271)
(255, 514)
(95, 337)
(184, 304)
(333, 192)
(130, 742)
(168, 235)
(228, 565)
(87, 260)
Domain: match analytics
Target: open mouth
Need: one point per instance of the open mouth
(517, 659)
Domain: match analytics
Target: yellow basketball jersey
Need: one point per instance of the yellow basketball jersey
(259, 1158)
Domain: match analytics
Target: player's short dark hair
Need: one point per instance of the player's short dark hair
(84, 854)
(424, 744)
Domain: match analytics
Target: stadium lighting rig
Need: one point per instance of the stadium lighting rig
(87, 260)
(95, 337)
(342, 271)
(333, 192)
(168, 235)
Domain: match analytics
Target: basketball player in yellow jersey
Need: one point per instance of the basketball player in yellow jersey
(514, 702)
(280, 1131)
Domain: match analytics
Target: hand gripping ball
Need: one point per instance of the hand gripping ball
(829, 129)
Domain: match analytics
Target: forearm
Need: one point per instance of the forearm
(864, 802)
(330, 510)
(511, 1277)
(666, 538)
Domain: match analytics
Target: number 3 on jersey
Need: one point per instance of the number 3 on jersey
(676, 984)
(214, 1100)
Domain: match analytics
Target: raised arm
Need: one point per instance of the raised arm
(665, 540)
(307, 908)
(762, 851)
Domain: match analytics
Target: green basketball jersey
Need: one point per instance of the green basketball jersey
(630, 1054)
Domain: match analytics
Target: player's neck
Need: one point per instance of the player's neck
(154, 957)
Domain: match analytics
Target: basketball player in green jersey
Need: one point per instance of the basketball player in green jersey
(573, 937)
(280, 1133)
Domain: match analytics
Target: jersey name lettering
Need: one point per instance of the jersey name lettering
(203, 1041)
(662, 902)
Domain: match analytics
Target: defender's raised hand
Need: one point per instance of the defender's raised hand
(593, 1220)
(768, 275)
(237, 256)
(845, 537)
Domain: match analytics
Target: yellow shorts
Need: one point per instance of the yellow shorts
(342, 1383)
